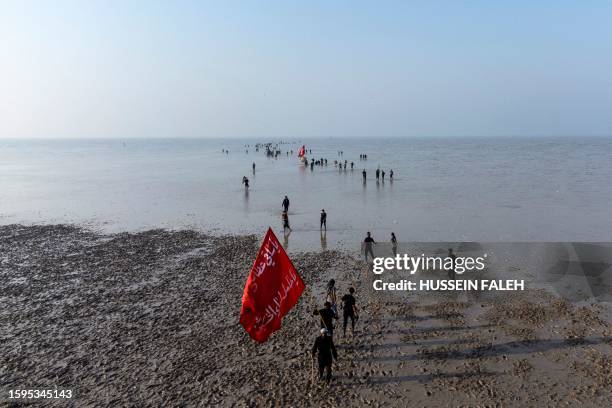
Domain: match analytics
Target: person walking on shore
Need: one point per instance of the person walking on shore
(363, 173)
(382, 173)
(349, 307)
(330, 296)
(377, 174)
(285, 218)
(253, 167)
(245, 181)
(368, 242)
(325, 351)
(327, 316)
(393, 243)
(286, 204)
(323, 220)
(391, 175)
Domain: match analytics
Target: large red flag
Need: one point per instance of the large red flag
(272, 289)
(302, 151)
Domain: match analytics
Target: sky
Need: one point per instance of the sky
(294, 69)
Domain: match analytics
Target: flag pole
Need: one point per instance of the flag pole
(312, 380)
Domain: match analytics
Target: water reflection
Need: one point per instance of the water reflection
(245, 200)
(286, 239)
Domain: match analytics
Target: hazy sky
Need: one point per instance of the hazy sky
(305, 68)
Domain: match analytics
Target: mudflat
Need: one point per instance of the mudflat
(151, 318)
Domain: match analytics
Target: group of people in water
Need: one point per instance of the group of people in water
(324, 349)
(379, 174)
(285, 217)
(273, 151)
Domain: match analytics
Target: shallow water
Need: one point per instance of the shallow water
(453, 189)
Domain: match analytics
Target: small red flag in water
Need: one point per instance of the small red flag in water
(272, 289)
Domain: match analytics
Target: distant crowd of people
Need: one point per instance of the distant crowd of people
(341, 165)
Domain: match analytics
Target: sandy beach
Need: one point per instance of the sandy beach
(151, 319)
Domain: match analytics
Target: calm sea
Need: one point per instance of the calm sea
(453, 189)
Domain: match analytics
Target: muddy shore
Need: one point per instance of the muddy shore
(151, 319)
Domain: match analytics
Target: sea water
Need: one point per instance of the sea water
(444, 189)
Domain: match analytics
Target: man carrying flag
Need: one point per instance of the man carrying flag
(302, 154)
(272, 289)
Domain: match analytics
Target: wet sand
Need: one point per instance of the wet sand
(151, 318)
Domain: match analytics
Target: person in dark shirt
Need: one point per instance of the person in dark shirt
(451, 255)
(323, 220)
(349, 307)
(367, 243)
(286, 203)
(363, 173)
(325, 350)
(327, 316)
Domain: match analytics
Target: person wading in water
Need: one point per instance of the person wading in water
(393, 243)
(323, 220)
(451, 255)
(367, 244)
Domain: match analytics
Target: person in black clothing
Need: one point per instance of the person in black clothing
(451, 255)
(350, 310)
(323, 220)
(367, 243)
(327, 316)
(324, 347)
(363, 173)
(286, 203)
